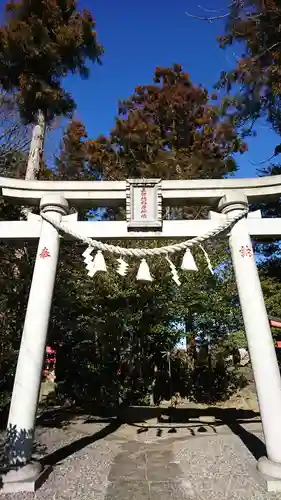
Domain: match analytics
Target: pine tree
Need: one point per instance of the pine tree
(42, 42)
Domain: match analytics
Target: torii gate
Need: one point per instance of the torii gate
(229, 198)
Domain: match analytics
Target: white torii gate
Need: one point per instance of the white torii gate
(229, 198)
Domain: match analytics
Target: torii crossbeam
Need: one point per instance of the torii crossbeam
(227, 198)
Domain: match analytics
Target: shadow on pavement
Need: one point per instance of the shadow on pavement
(188, 418)
(250, 440)
(62, 416)
(138, 414)
(68, 450)
(165, 417)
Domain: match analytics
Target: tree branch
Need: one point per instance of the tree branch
(267, 50)
(234, 3)
(213, 11)
(206, 18)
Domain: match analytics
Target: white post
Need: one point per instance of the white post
(22, 416)
(259, 336)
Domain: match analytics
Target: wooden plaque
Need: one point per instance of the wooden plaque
(144, 203)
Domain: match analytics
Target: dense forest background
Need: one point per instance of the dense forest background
(111, 338)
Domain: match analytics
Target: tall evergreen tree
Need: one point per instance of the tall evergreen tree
(42, 42)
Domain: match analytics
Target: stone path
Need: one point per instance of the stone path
(94, 464)
(145, 471)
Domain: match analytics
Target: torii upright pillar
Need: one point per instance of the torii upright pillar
(22, 415)
(261, 348)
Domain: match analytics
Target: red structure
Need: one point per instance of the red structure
(276, 323)
(50, 363)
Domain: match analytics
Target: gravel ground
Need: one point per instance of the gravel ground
(83, 474)
(220, 467)
(127, 466)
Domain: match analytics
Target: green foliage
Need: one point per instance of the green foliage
(238, 340)
(16, 272)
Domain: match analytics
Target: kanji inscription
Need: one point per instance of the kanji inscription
(144, 204)
(45, 253)
(246, 251)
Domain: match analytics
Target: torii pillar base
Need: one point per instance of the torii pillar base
(24, 479)
(271, 472)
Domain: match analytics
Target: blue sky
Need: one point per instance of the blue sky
(138, 36)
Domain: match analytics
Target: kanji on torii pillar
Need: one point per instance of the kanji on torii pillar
(229, 201)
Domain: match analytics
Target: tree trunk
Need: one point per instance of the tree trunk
(36, 148)
(35, 153)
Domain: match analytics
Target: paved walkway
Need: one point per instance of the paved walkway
(98, 461)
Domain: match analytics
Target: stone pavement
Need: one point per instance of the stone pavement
(99, 461)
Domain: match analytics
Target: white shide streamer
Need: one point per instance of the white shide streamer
(97, 263)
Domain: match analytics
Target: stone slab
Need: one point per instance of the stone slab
(273, 485)
(25, 485)
(127, 490)
(171, 490)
